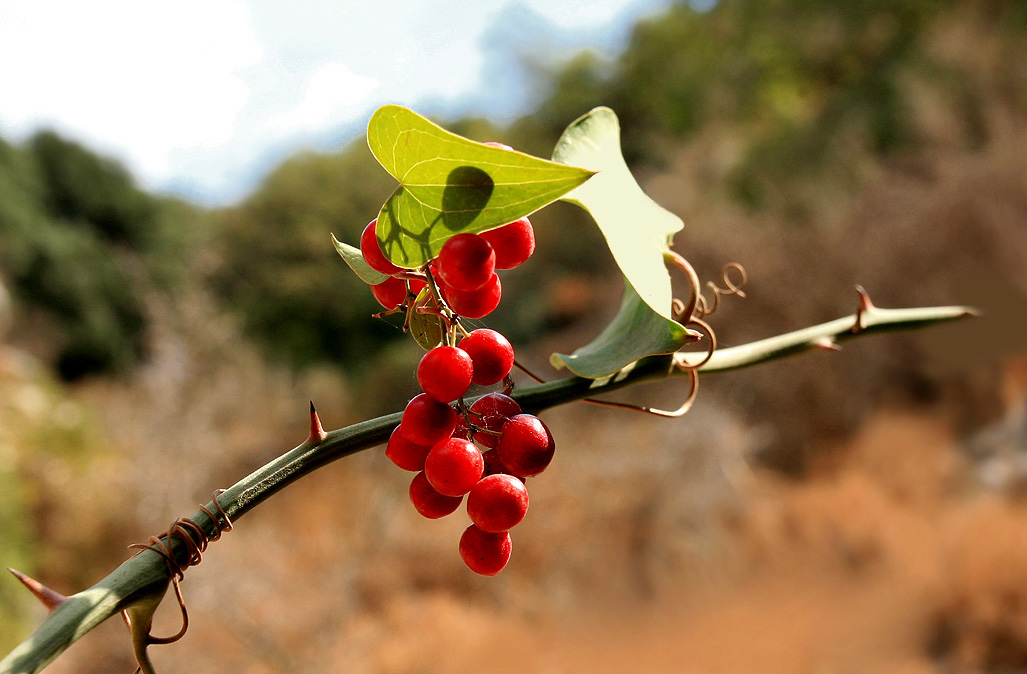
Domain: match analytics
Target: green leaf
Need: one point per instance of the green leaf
(426, 329)
(449, 184)
(637, 230)
(355, 259)
(635, 332)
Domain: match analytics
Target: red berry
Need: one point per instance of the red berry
(429, 502)
(526, 446)
(491, 353)
(497, 503)
(427, 421)
(492, 411)
(405, 454)
(513, 243)
(493, 466)
(453, 466)
(475, 303)
(483, 552)
(390, 293)
(466, 262)
(445, 372)
(372, 252)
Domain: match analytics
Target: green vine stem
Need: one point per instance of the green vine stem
(145, 578)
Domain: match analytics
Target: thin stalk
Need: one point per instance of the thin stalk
(145, 577)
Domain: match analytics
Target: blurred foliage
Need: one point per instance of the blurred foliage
(802, 97)
(80, 242)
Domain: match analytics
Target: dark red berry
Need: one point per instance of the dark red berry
(525, 445)
(466, 262)
(497, 503)
(405, 454)
(483, 552)
(372, 252)
(475, 303)
(445, 373)
(429, 502)
(426, 421)
(493, 466)
(491, 412)
(453, 466)
(390, 293)
(491, 353)
(513, 243)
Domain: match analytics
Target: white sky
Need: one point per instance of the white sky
(202, 97)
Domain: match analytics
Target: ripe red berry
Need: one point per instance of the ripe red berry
(390, 293)
(453, 466)
(483, 552)
(526, 446)
(497, 503)
(491, 353)
(492, 411)
(445, 373)
(466, 262)
(475, 303)
(513, 243)
(372, 252)
(405, 454)
(429, 502)
(426, 421)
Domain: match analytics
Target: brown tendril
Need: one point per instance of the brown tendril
(196, 541)
(705, 307)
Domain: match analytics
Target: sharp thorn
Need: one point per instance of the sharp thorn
(865, 307)
(317, 433)
(50, 598)
(826, 344)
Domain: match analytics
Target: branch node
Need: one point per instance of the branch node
(317, 432)
(50, 598)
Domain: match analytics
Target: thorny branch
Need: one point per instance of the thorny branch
(144, 579)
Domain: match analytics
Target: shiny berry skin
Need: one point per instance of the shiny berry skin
(485, 553)
(474, 303)
(526, 446)
(390, 293)
(454, 466)
(405, 454)
(445, 373)
(497, 503)
(429, 502)
(491, 353)
(491, 412)
(427, 421)
(466, 262)
(372, 252)
(513, 243)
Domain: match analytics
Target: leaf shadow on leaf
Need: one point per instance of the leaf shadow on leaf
(466, 194)
(468, 190)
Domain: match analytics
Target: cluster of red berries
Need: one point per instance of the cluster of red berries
(484, 450)
(465, 268)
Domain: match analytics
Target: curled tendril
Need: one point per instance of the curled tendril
(693, 379)
(196, 541)
(730, 287)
